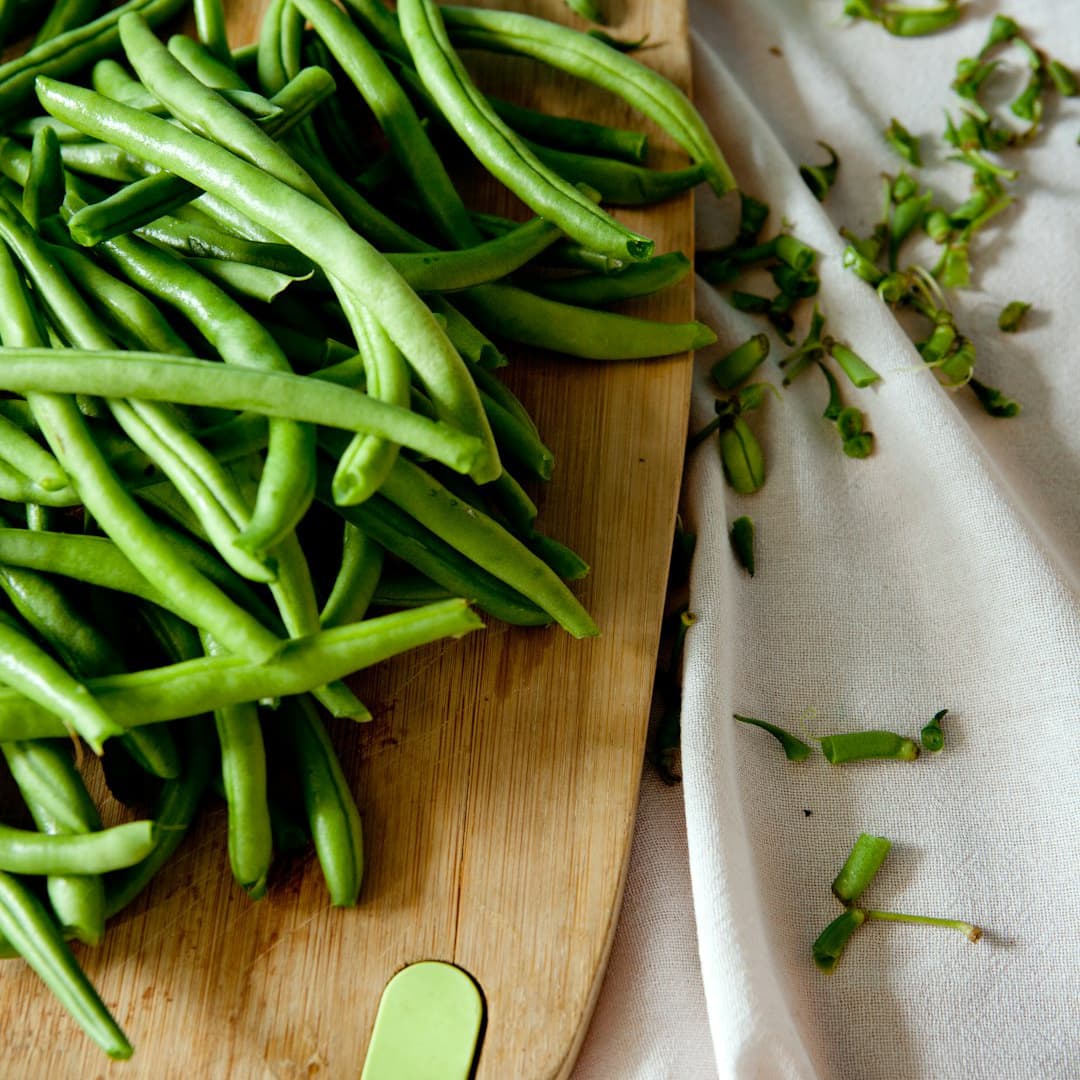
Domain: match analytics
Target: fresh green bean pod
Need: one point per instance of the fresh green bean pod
(25, 852)
(591, 335)
(502, 152)
(597, 290)
(58, 802)
(332, 814)
(586, 57)
(27, 926)
(740, 452)
(147, 199)
(356, 580)
(198, 686)
(243, 772)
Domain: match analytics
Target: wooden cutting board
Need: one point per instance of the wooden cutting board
(498, 783)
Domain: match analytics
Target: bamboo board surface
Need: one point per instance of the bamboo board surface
(497, 784)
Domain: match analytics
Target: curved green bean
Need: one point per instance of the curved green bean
(449, 271)
(65, 15)
(198, 686)
(586, 57)
(591, 335)
(243, 774)
(332, 814)
(596, 290)
(487, 543)
(27, 926)
(501, 151)
(30, 458)
(356, 580)
(25, 852)
(208, 67)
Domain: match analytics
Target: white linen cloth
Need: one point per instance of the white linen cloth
(942, 571)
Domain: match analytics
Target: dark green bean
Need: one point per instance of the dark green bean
(582, 332)
(356, 580)
(65, 15)
(501, 151)
(486, 543)
(596, 290)
(586, 57)
(619, 183)
(44, 191)
(569, 133)
(58, 802)
(27, 926)
(332, 814)
(243, 772)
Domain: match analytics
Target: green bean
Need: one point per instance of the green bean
(44, 191)
(794, 748)
(513, 504)
(27, 926)
(112, 79)
(65, 15)
(31, 459)
(174, 810)
(568, 133)
(243, 280)
(474, 347)
(29, 126)
(187, 237)
(448, 271)
(72, 50)
(205, 64)
(591, 335)
(197, 686)
(147, 199)
(243, 772)
(311, 229)
(394, 113)
(187, 381)
(331, 810)
(519, 442)
(859, 868)
(486, 543)
(739, 364)
(931, 736)
(864, 745)
(112, 506)
(596, 290)
(568, 564)
(58, 802)
(402, 587)
(619, 183)
(356, 580)
(584, 56)
(210, 27)
(101, 160)
(829, 945)
(364, 464)
(34, 673)
(270, 66)
(499, 149)
(403, 537)
(381, 25)
(741, 456)
(25, 852)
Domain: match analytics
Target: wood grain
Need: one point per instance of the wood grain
(498, 782)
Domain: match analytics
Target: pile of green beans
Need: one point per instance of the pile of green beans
(252, 435)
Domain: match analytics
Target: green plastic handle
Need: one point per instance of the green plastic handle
(427, 1026)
